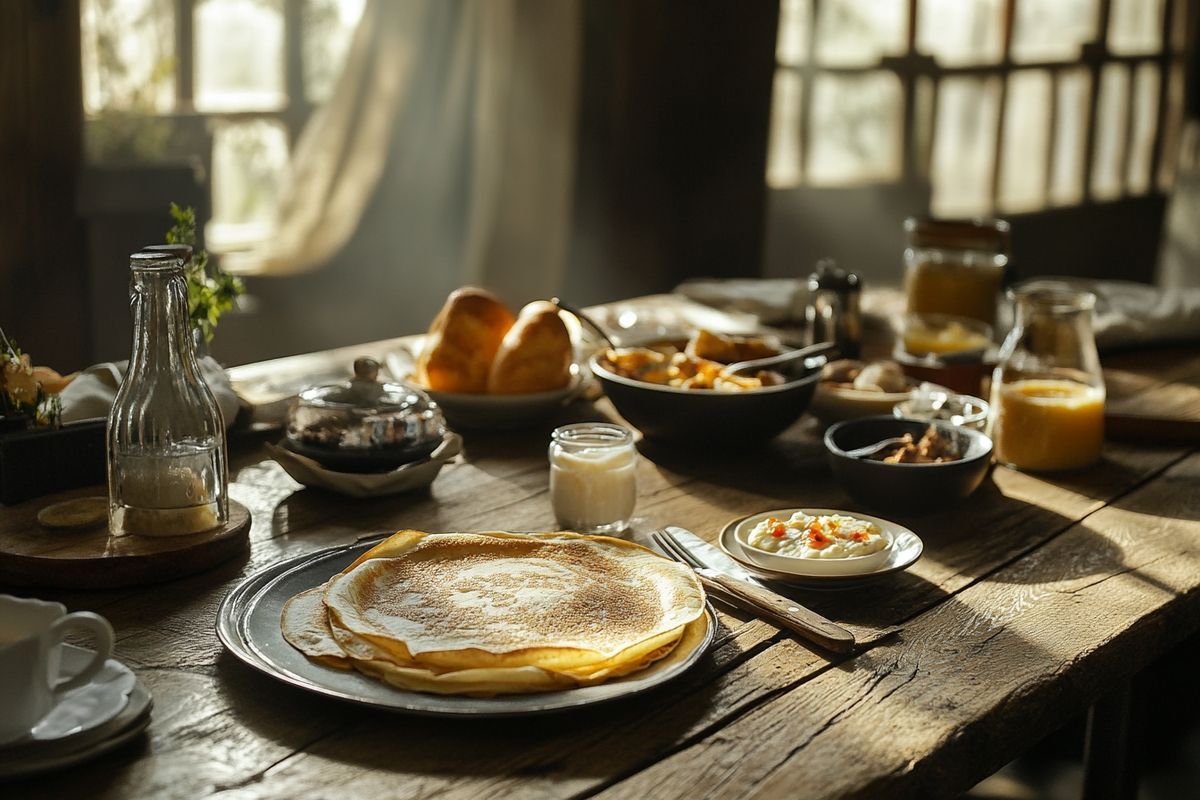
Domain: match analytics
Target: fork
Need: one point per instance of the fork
(783, 611)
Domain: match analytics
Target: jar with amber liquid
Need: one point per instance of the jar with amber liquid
(955, 266)
(1048, 389)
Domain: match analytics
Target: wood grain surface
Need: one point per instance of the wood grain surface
(1032, 599)
(89, 558)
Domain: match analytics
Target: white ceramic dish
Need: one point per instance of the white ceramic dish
(505, 411)
(833, 404)
(99, 734)
(89, 706)
(492, 411)
(818, 567)
(905, 550)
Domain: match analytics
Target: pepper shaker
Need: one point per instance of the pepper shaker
(834, 313)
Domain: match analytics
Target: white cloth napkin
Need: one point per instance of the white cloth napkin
(91, 394)
(1132, 314)
(775, 301)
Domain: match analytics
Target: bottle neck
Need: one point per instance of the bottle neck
(1055, 327)
(162, 331)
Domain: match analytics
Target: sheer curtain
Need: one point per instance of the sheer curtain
(457, 118)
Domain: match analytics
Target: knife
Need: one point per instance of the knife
(758, 600)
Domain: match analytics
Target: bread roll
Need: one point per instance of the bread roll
(463, 341)
(536, 353)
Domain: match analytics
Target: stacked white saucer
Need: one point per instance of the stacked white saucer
(62, 704)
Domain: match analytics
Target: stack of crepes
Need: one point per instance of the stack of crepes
(500, 613)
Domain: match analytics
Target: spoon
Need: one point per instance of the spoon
(820, 348)
(586, 320)
(872, 449)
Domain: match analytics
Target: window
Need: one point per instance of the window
(229, 81)
(1001, 106)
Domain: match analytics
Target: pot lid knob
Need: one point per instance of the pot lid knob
(366, 369)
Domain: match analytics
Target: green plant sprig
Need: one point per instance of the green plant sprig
(209, 294)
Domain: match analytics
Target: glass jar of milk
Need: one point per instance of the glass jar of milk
(593, 477)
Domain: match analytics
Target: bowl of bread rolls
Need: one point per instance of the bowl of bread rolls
(491, 369)
(677, 389)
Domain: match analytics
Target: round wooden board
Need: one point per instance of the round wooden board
(33, 555)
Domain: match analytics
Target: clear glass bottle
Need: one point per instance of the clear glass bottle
(167, 473)
(1048, 388)
(955, 266)
(593, 477)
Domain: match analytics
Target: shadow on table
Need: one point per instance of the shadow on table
(309, 508)
(1172, 495)
(781, 468)
(587, 743)
(1109, 477)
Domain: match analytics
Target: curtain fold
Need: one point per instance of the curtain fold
(470, 104)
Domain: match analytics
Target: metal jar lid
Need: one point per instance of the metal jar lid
(363, 414)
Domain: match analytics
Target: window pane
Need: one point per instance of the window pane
(1070, 138)
(922, 134)
(1135, 26)
(1053, 30)
(239, 55)
(1111, 116)
(1179, 25)
(858, 32)
(248, 164)
(783, 153)
(961, 31)
(1026, 141)
(1145, 123)
(1172, 123)
(855, 132)
(328, 27)
(795, 20)
(964, 146)
(128, 51)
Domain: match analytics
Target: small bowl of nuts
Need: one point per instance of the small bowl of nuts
(923, 465)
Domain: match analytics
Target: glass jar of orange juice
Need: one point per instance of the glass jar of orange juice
(1047, 389)
(955, 266)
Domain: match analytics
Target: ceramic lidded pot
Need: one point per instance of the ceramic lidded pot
(362, 425)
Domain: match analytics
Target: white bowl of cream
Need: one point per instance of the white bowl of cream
(816, 541)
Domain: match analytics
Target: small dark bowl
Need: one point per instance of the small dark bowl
(361, 459)
(906, 487)
(706, 416)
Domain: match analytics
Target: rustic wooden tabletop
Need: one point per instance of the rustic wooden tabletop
(1034, 599)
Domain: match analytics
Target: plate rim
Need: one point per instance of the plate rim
(237, 603)
(729, 529)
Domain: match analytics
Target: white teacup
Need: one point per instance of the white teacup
(30, 634)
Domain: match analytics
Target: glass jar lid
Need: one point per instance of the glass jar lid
(364, 394)
(362, 423)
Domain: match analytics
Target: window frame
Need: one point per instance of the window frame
(913, 67)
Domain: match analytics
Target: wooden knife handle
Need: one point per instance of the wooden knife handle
(785, 612)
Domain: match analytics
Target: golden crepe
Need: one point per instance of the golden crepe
(535, 355)
(462, 342)
(495, 613)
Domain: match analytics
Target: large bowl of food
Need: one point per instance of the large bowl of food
(679, 389)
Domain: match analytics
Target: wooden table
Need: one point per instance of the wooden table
(1033, 600)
